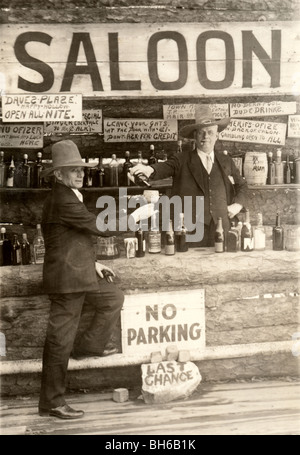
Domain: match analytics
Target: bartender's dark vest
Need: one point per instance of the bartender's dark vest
(215, 200)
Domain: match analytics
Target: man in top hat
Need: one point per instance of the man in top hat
(70, 277)
(205, 172)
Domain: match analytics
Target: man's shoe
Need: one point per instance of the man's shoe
(78, 355)
(62, 412)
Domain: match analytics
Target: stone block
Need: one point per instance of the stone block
(156, 357)
(120, 395)
(172, 352)
(184, 356)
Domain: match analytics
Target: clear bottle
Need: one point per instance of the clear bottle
(140, 244)
(26, 172)
(154, 238)
(6, 247)
(16, 251)
(271, 169)
(180, 236)
(2, 170)
(38, 246)
(126, 166)
(232, 242)
(219, 237)
(113, 171)
(259, 234)
(170, 240)
(278, 234)
(279, 168)
(25, 250)
(11, 173)
(247, 234)
(152, 158)
(37, 180)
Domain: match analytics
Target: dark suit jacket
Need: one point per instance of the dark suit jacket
(187, 173)
(68, 227)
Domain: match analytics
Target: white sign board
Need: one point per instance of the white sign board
(254, 132)
(91, 123)
(159, 60)
(19, 135)
(294, 126)
(187, 111)
(151, 322)
(135, 130)
(260, 109)
(42, 108)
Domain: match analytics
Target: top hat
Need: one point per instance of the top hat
(203, 118)
(65, 154)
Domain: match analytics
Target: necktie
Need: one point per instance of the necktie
(208, 164)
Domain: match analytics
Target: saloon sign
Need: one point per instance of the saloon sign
(173, 59)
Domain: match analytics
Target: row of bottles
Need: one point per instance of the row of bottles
(246, 238)
(23, 176)
(282, 172)
(19, 252)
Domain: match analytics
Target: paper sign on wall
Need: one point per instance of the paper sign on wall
(294, 126)
(16, 135)
(187, 111)
(260, 109)
(134, 130)
(151, 322)
(91, 123)
(255, 132)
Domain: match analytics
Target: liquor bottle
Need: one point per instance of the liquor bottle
(126, 166)
(15, 251)
(2, 170)
(113, 171)
(180, 236)
(152, 158)
(101, 173)
(154, 238)
(6, 247)
(88, 178)
(25, 250)
(232, 242)
(37, 180)
(278, 168)
(246, 234)
(278, 234)
(26, 173)
(288, 171)
(38, 246)
(179, 146)
(10, 174)
(271, 169)
(170, 240)
(219, 237)
(259, 234)
(141, 244)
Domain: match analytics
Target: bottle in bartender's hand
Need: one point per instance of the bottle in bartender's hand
(219, 237)
(278, 234)
(247, 242)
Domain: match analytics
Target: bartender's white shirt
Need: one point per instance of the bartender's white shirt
(203, 157)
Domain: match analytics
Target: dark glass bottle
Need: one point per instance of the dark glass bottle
(141, 244)
(26, 173)
(126, 166)
(288, 171)
(25, 250)
(271, 169)
(219, 237)
(278, 234)
(88, 177)
(16, 251)
(247, 242)
(180, 236)
(232, 242)
(2, 170)
(11, 173)
(152, 158)
(170, 240)
(37, 180)
(6, 247)
(101, 173)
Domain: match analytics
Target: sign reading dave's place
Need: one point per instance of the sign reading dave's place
(151, 322)
(170, 59)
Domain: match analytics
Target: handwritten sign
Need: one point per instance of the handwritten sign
(260, 109)
(21, 135)
(187, 111)
(91, 123)
(255, 132)
(134, 130)
(41, 108)
(151, 322)
(294, 126)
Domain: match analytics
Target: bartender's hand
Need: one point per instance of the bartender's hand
(141, 168)
(143, 212)
(104, 271)
(234, 209)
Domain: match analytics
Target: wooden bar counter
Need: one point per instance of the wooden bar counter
(249, 298)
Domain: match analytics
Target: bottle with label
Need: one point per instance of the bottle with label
(219, 237)
(140, 244)
(37, 180)
(259, 234)
(179, 146)
(126, 166)
(2, 170)
(154, 238)
(271, 169)
(11, 173)
(113, 171)
(180, 236)
(278, 234)
(38, 246)
(152, 158)
(279, 168)
(15, 251)
(5, 247)
(25, 250)
(288, 170)
(247, 241)
(170, 240)
(26, 173)
(232, 242)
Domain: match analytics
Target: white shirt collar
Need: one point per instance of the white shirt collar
(78, 194)
(203, 156)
